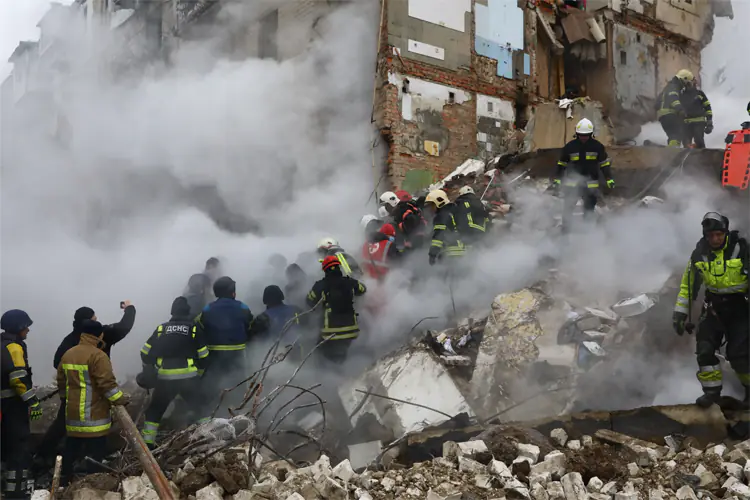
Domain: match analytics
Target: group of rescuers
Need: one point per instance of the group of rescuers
(211, 336)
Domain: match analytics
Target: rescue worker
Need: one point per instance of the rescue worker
(446, 240)
(198, 290)
(340, 326)
(297, 284)
(743, 126)
(698, 116)
(370, 225)
(174, 358)
(670, 111)
(409, 221)
(19, 405)
(330, 247)
(114, 333)
(88, 388)
(471, 215)
(578, 171)
(378, 252)
(225, 327)
(269, 324)
(720, 262)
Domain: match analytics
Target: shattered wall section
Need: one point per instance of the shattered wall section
(672, 58)
(685, 17)
(431, 31)
(550, 128)
(495, 119)
(635, 71)
(499, 35)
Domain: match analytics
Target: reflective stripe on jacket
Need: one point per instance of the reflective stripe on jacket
(339, 318)
(722, 271)
(177, 350)
(446, 240)
(669, 99)
(88, 385)
(16, 373)
(225, 325)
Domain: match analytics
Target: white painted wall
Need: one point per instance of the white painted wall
(501, 109)
(425, 95)
(448, 13)
(426, 49)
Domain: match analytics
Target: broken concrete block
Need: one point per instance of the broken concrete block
(670, 465)
(295, 496)
(469, 465)
(213, 491)
(529, 451)
(740, 490)
(599, 496)
(574, 445)
(595, 484)
(626, 496)
(729, 482)
(746, 471)
(609, 488)
(270, 483)
(471, 449)
(445, 462)
(41, 495)
(512, 483)
(483, 481)
(366, 480)
(542, 479)
(361, 494)
(363, 454)
(538, 492)
(633, 306)
(737, 457)
(444, 491)
(655, 494)
(451, 450)
(243, 495)
(499, 469)
(603, 314)
(719, 450)
(743, 446)
(555, 490)
(573, 486)
(133, 488)
(328, 488)
(413, 492)
(559, 436)
(517, 493)
(554, 463)
(456, 360)
(734, 470)
(587, 441)
(672, 443)
(388, 484)
(82, 494)
(344, 471)
(588, 323)
(633, 469)
(694, 452)
(707, 478)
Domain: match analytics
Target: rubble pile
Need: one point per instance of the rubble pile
(604, 466)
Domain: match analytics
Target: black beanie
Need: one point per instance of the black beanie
(273, 295)
(82, 314)
(224, 288)
(91, 327)
(180, 307)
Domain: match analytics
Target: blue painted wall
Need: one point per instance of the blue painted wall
(499, 31)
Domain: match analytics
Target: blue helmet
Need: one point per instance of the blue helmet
(15, 321)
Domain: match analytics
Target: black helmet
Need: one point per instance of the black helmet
(224, 288)
(748, 108)
(273, 295)
(714, 221)
(15, 321)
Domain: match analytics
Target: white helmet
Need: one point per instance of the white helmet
(465, 190)
(389, 198)
(383, 212)
(585, 127)
(366, 220)
(327, 243)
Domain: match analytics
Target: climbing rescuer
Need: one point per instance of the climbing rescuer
(698, 116)
(340, 326)
(670, 110)
(720, 262)
(378, 252)
(471, 215)
(19, 405)
(408, 221)
(446, 240)
(88, 388)
(174, 358)
(328, 247)
(578, 171)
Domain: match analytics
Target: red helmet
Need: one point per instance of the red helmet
(330, 261)
(388, 230)
(403, 195)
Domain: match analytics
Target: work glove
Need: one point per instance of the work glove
(123, 400)
(611, 183)
(35, 411)
(709, 127)
(433, 259)
(679, 320)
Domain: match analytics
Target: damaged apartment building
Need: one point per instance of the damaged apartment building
(455, 79)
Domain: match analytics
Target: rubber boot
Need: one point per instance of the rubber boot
(709, 397)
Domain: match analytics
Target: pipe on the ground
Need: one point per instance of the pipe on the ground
(147, 460)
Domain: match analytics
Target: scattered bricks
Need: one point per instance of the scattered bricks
(573, 486)
(574, 445)
(555, 491)
(499, 469)
(719, 450)
(595, 484)
(634, 470)
(609, 489)
(559, 436)
(529, 451)
(538, 492)
(469, 465)
(587, 441)
(734, 470)
(344, 471)
(471, 449)
(483, 481)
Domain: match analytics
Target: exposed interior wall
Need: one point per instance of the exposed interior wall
(499, 27)
(684, 17)
(495, 120)
(550, 128)
(634, 70)
(671, 58)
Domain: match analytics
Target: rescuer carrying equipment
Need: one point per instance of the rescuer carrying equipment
(340, 326)
(471, 216)
(578, 170)
(19, 405)
(446, 239)
(349, 266)
(670, 111)
(720, 262)
(176, 354)
(88, 388)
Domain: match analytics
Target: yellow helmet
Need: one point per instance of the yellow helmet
(438, 197)
(685, 75)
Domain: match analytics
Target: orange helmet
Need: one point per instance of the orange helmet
(388, 230)
(403, 195)
(330, 261)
